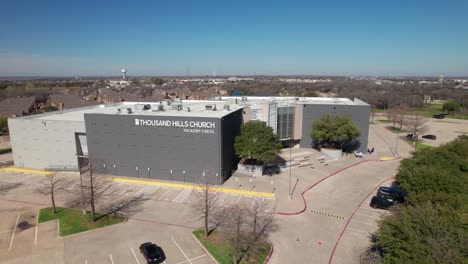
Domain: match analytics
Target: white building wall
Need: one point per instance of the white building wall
(42, 144)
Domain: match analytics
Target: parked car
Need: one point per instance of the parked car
(433, 137)
(381, 203)
(152, 253)
(391, 193)
(439, 116)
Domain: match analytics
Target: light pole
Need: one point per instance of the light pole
(396, 143)
(290, 167)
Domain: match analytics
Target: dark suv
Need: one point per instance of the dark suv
(381, 202)
(439, 116)
(391, 193)
(152, 253)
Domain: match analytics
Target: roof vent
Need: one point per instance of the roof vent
(226, 107)
(129, 111)
(210, 107)
(188, 109)
(146, 107)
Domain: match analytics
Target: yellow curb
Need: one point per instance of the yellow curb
(12, 169)
(195, 187)
(387, 158)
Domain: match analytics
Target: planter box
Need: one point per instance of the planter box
(333, 154)
(251, 170)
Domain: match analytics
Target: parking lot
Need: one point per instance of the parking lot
(120, 244)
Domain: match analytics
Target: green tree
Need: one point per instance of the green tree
(257, 142)
(157, 81)
(3, 126)
(451, 107)
(430, 227)
(332, 131)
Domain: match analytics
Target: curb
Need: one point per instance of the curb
(317, 183)
(349, 219)
(204, 249)
(194, 187)
(269, 254)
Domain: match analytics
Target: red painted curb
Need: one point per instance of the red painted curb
(349, 219)
(269, 254)
(315, 184)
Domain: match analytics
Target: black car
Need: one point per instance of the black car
(152, 253)
(391, 193)
(433, 137)
(381, 203)
(439, 116)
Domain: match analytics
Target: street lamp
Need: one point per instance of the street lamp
(290, 167)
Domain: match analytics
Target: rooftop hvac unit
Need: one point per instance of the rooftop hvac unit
(210, 107)
(146, 107)
(160, 107)
(232, 100)
(119, 111)
(244, 98)
(188, 109)
(177, 107)
(226, 107)
(129, 111)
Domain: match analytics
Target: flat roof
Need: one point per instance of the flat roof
(185, 108)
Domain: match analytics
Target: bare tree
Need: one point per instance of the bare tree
(206, 205)
(95, 186)
(416, 125)
(246, 231)
(373, 112)
(52, 186)
(401, 115)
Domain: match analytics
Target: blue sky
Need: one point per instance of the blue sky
(164, 37)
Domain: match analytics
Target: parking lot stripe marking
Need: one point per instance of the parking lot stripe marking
(112, 260)
(13, 235)
(133, 252)
(364, 223)
(35, 237)
(327, 214)
(204, 255)
(193, 187)
(7, 231)
(238, 199)
(357, 230)
(86, 261)
(160, 198)
(183, 253)
(369, 216)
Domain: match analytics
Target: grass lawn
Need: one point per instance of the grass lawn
(418, 145)
(221, 252)
(5, 150)
(433, 109)
(73, 221)
(395, 130)
(384, 121)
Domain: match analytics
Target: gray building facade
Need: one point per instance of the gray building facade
(164, 147)
(359, 114)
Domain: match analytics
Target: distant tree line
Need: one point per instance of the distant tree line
(431, 226)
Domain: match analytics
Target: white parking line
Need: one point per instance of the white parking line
(183, 253)
(35, 237)
(364, 223)
(133, 252)
(368, 216)
(160, 198)
(112, 260)
(86, 261)
(14, 231)
(7, 231)
(240, 196)
(193, 258)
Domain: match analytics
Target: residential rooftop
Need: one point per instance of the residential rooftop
(285, 100)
